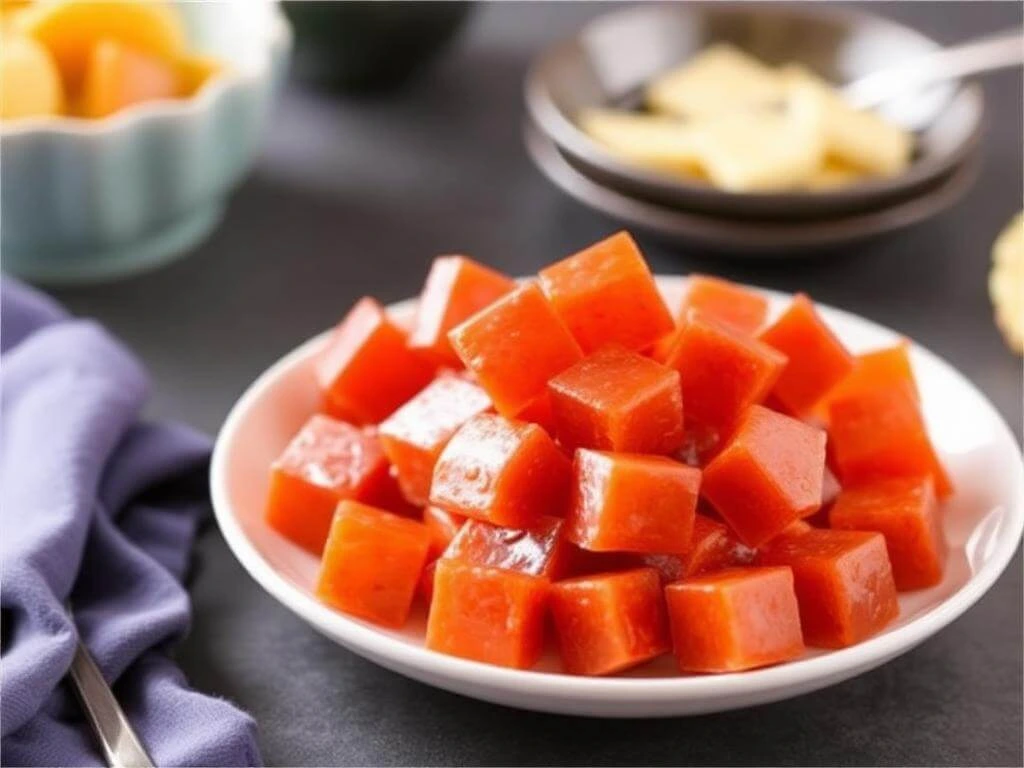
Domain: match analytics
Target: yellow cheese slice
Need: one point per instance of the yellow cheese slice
(719, 79)
(856, 138)
(653, 141)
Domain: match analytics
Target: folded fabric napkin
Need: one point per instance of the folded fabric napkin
(99, 508)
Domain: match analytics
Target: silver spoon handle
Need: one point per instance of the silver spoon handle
(1005, 49)
(121, 747)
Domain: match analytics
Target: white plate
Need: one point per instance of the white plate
(984, 520)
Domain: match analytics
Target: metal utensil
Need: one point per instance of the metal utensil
(1005, 49)
(121, 747)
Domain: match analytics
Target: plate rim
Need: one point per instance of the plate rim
(741, 688)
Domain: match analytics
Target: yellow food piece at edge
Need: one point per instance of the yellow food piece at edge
(857, 138)
(834, 173)
(719, 79)
(70, 29)
(29, 82)
(196, 70)
(653, 141)
(117, 77)
(1006, 283)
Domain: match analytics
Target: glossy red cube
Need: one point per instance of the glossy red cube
(366, 370)
(500, 471)
(606, 294)
(326, 462)
(414, 435)
(631, 503)
(609, 622)
(617, 400)
(768, 475)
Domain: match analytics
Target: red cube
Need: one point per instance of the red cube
(609, 622)
(723, 372)
(617, 400)
(366, 370)
(372, 563)
(878, 434)
(413, 436)
(500, 471)
(514, 346)
(906, 513)
(456, 289)
(843, 583)
(631, 503)
(326, 462)
(769, 475)
(817, 359)
(724, 301)
(736, 619)
(487, 614)
(606, 295)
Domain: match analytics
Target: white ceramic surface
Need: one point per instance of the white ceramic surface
(983, 525)
(90, 200)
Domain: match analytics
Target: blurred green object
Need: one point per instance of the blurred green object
(370, 46)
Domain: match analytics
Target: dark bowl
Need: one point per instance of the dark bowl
(778, 239)
(370, 46)
(614, 56)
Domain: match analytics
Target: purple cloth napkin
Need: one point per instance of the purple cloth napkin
(102, 509)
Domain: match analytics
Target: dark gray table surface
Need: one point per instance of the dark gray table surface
(355, 197)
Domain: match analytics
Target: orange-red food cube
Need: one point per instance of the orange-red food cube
(413, 436)
(443, 526)
(514, 346)
(724, 301)
(326, 462)
(500, 471)
(487, 614)
(723, 372)
(843, 583)
(538, 550)
(713, 547)
(617, 400)
(366, 370)
(456, 288)
(906, 513)
(631, 503)
(877, 434)
(817, 359)
(372, 563)
(879, 369)
(609, 622)
(769, 475)
(607, 295)
(736, 619)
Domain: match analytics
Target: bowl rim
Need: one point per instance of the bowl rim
(564, 132)
(277, 37)
(801, 675)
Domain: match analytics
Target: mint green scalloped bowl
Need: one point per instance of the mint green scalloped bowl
(94, 200)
